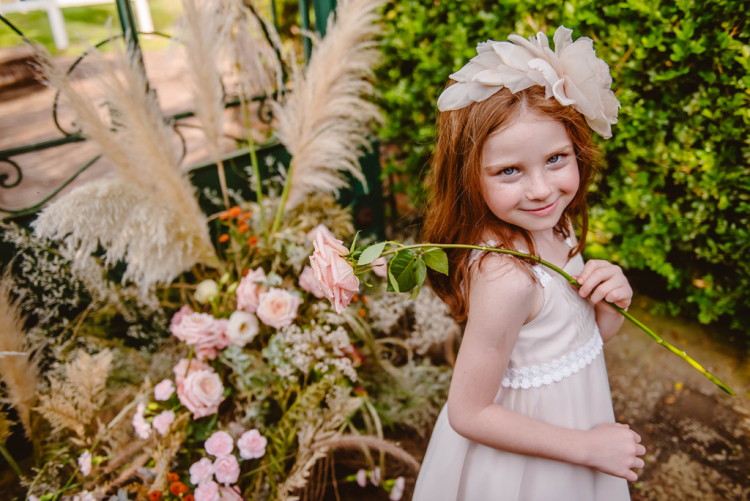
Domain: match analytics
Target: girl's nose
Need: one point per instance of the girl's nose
(539, 186)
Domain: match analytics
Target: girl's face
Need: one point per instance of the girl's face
(529, 172)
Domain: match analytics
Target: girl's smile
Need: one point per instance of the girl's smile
(530, 173)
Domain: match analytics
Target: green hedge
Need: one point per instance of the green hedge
(674, 200)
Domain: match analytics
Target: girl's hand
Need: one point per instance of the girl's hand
(613, 448)
(608, 280)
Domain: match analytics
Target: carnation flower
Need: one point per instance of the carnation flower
(206, 291)
(201, 471)
(249, 289)
(219, 444)
(334, 274)
(242, 328)
(163, 421)
(201, 392)
(252, 445)
(84, 463)
(307, 282)
(277, 307)
(164, 390)
(142, 428)
(226, 469)
(207, 491)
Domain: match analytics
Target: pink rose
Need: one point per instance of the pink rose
(334, 274)
(321, 228)
(307, 282)
(380, 267)
(164, 390)
(207, 491)
(252, 445)
(185, 310)
(227, 470)
(181, 370)
(249, 289)
(193, 327)
(230, 493)
(220, 444)
(142, 428)
(201, 471)
(277, 307)
(163, 421)
(84, 463)
(201, 392)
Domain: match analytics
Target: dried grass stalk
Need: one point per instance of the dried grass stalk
(355, 442)
(139, 143)
(325, 122)
(18, 369)
(167, 448)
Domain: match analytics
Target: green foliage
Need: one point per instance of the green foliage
(674, 199)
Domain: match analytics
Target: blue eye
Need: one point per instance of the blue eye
(554, 159)
(504, 171)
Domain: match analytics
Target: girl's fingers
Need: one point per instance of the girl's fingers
(639, 463)
(640, 450)
(636, 437)
(594, 279)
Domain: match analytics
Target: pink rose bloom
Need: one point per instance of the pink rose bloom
(227, 470)
(307, 282)
(398, 489)
(181, 369)
(185, 310)
(193, 327)
(277, 307)
(207, 491)
(84, 463)
(334, 274)
(252, 445)
(362, 477)
(142, 428)
(230, 493)
(163, 421)
(201, 392)
(164, 390)
(249, 289)
(220, 444)
(382, 270)
(321, 228)
(201, 471)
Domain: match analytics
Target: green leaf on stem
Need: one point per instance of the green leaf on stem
(392, 283)
(354, 241)
(436, 259)
(403, 266)
(420, 272)
(370, 254)
(415, 293)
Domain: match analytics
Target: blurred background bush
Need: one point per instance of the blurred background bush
(672, 204)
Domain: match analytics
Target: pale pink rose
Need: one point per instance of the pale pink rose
(250, 287)
(164, 390)
(380, 267)
(163, 421)
(252, 445)
(230, 493)
(193, 327)
(362, 477)
(219, 444)
(201, 392)
(226, 470)
(142, 428)
(207, 491)
(185, 310)
(307, 282)
(84, 463)
(334, 274)
(375, 476)
(201, 471)
(205, 352)
(321, 228)
(277, 307)
(398, 489)
(181, 369)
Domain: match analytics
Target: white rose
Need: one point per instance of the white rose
(277, 308)
(206, 291)
(242, 328)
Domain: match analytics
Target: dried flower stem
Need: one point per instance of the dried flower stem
(572, 281)
(10, 460)
(253, 157)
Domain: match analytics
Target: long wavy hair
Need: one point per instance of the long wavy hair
(457, 212)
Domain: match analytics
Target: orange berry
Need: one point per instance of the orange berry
(235, 211)
(243, 228)
(224, 238)
(154, 496)
(173, 477)
(188, 497)
(361, 312)
(245, 216)
(178, 488)
(355, 298)
(224, 216)
(252, 241)
(366, 299)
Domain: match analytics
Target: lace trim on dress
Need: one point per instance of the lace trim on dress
(565, 366)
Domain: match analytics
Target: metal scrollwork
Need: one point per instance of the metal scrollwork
(4, 176)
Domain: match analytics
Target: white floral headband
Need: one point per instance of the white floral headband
(572, 74)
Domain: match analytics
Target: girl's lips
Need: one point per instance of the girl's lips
(544, 210)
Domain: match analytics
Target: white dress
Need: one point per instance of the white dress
(556, 374)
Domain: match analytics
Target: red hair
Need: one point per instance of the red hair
(457, 212)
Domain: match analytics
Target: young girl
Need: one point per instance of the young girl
(529, 415)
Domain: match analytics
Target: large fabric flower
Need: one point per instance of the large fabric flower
(572, 74)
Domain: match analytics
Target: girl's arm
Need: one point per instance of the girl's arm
(501, 300)
(608, 319)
